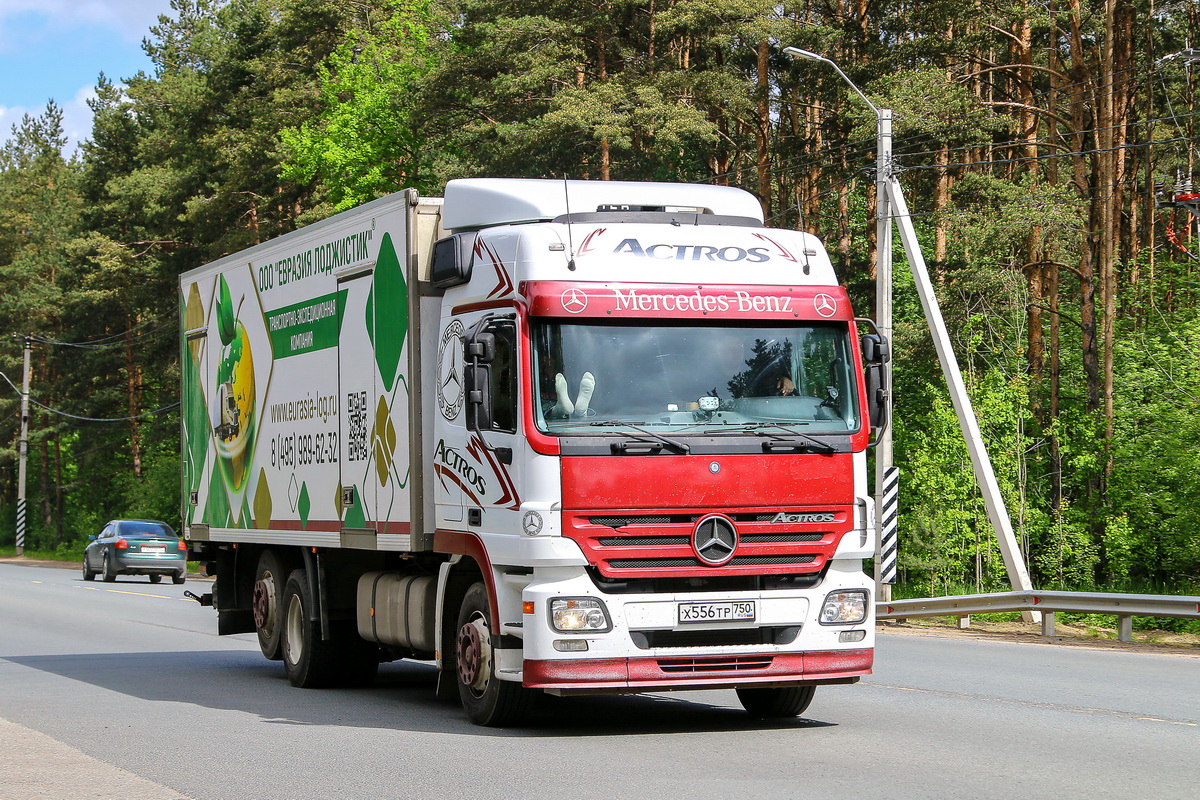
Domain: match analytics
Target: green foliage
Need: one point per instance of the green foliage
(368, 139)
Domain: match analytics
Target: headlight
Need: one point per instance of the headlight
(844, 608)
(578, 614)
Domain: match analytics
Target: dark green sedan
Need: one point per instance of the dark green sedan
(135, 547)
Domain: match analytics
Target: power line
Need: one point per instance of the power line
(61, 413)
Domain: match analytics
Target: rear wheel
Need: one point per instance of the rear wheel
(268, 595)
(106, 570)
(309, 661)
(179, 578)
(88, 573)
(786, 701)
(487, 700)
(155, 578)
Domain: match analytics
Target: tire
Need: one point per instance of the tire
(155, 578)
(786, 701)
(178, 579)
(106, 571)
(269, 580)
(89, 574)
(487, 700)
(310, 663)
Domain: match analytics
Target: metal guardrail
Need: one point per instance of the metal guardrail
(1124, 606)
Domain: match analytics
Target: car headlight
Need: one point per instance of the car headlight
(578, 615)
(844, 607)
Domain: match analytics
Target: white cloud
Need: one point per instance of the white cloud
(77, 118)
(131, 19)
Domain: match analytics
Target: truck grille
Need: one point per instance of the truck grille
(639, 545)
(767, 634)
(715, 664)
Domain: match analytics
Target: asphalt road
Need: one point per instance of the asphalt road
(124, 691)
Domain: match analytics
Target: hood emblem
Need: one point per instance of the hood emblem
(714, 540)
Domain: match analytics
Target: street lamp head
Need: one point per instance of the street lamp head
(796, 52)
(810, 56)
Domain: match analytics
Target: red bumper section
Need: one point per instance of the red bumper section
(695, 671)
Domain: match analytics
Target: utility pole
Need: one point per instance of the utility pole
(23, 452)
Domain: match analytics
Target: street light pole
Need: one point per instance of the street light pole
(885, 471)
(891, 205)
(23, 452)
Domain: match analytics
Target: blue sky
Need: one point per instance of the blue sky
(58, 48)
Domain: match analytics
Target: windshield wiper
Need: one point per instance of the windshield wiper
(655, 441)
(788, 440)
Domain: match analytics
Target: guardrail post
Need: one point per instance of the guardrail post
(964, 621)
(1125, 628)
(1047, 623)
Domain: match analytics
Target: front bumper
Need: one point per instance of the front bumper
(712, 672)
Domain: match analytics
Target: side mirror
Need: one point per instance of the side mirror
(875, 349)
(481, 352)
(876, 354)
(452, 260)
(478, 380)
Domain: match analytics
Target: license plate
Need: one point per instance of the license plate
(738, 610)
(151, 549)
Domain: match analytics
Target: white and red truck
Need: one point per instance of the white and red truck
(556, 436)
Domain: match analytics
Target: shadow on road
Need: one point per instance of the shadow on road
(402, 697)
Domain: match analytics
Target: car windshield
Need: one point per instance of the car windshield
(688, 378)
(146, 530)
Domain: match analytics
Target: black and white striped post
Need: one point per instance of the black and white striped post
(23, 453)
(889, 508)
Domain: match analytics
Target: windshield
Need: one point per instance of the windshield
(148, 530)
(593, 377)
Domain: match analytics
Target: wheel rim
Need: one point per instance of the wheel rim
(264, 604)
(293, 648)
(474, 654)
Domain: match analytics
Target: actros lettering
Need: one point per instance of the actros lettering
(692, 252)
(460, 466)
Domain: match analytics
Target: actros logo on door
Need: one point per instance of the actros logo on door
(714, 540)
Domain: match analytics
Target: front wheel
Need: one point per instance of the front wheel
(89, 574)
(309, 661)
(106, 570)
(487, 700)
(786, 701)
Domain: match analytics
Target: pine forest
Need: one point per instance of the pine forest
(1047, 150)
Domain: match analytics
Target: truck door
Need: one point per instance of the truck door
(357, 395)
(493, 443)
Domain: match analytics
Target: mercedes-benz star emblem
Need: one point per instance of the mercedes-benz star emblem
(574, 301)
(714, 540)
(532, 523)
(825, 305)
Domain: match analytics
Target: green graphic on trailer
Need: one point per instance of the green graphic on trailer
(236, 405)
(386, 318)
(387, 312)
(308, 326)
(195, 411)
